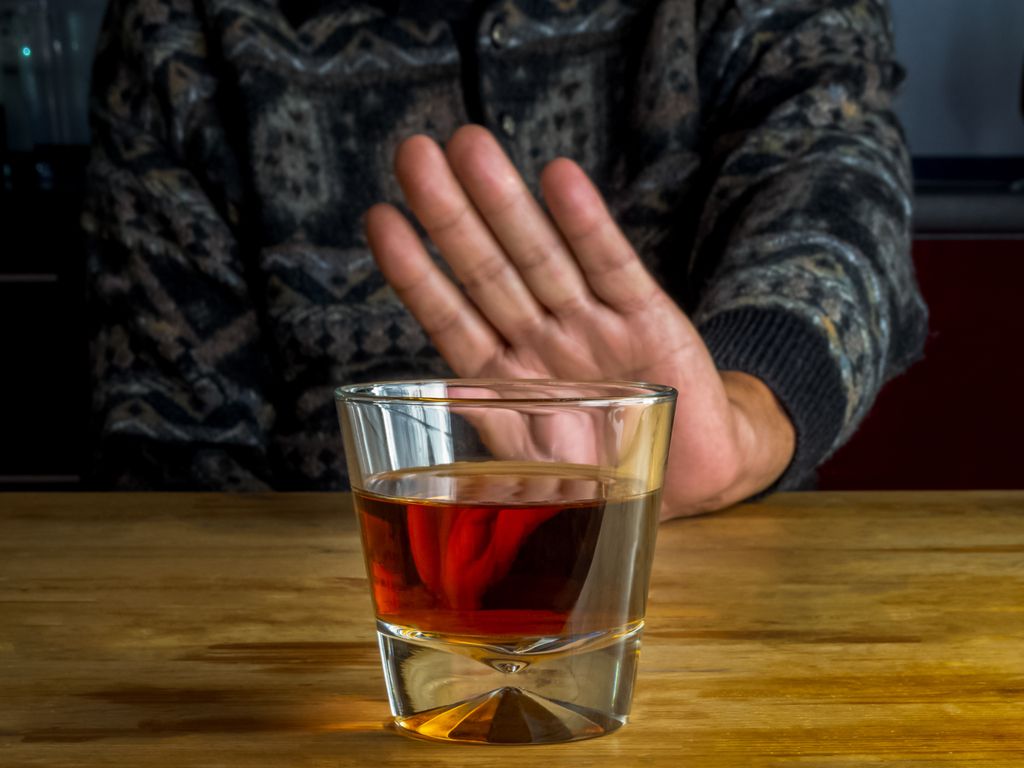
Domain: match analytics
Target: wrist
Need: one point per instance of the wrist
(765, 435)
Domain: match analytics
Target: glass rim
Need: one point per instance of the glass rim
(648, 393)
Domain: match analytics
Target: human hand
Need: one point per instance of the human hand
(567, 297)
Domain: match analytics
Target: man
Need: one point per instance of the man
(744, 236)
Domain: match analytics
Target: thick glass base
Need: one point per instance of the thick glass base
(537, 690)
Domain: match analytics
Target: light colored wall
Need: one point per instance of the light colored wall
(964, 60)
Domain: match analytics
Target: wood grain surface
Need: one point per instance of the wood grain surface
(810, 629)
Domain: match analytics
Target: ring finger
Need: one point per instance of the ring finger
(475, 256)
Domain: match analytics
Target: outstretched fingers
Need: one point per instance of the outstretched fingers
(477, 259)
(519, 224)
(460, 333)
(611, 267)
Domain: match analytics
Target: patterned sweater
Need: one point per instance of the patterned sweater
(747, 148)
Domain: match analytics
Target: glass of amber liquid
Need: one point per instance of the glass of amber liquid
(508, 529)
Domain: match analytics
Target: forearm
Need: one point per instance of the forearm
(764, 432)
(810, 287)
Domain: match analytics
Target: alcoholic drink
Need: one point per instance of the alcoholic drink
(498, 586)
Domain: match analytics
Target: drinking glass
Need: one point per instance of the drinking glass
(508, 529)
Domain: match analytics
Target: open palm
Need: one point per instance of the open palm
(559, 296)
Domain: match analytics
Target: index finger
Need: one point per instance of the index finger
(610, 265)
(464, 338)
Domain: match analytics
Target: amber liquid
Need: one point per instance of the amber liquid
(509, 597)
(510, 556)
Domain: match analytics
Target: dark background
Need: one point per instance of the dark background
(955, 420)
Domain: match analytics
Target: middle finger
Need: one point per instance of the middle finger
(517, 220)
(469, 247)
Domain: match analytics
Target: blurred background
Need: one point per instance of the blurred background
(956, 420)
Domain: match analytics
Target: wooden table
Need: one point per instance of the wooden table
(811, 629)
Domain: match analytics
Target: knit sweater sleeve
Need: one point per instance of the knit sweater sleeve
(803, 252)
(177, 359)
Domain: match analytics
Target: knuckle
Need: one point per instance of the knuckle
(439, 324)
(613, 263)
(570, 305)
(447, 219)
(589, 227)
(487, 270)
(536, 256)
(502, 203)
(534, 326)
(633, 301)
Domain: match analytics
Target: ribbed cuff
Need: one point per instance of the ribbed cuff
(792, 358)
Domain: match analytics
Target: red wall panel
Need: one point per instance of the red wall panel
(956, 418)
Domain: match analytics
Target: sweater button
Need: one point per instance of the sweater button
(499, 35)
(508, 125)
